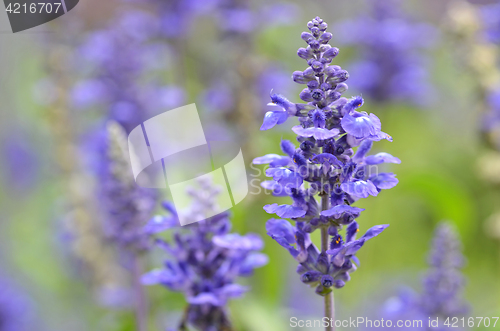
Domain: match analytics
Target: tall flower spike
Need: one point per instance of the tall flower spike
(128, 207)
(442, 286)
(204, 261)
(330, 127)
(443, 282)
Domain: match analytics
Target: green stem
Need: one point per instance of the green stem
(329, 303)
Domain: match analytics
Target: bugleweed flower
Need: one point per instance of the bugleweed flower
(128, 207)
(444, 282)
(442, 286)
(324, 164)
(204, 260)
(391, 66)
(119, 64)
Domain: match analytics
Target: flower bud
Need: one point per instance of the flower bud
(305, 53)
(310, 277)
(338, 283)
(338, 77)
(341, 87)
(317, 66)
(331, 53)
(309, 73)
(307, 37)
(325, 37)
(305, 95)
(327, 281)
(298, 77)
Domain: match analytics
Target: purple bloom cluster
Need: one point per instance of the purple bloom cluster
(442, 285)
(118, 64)
(128, 207)
(231, 16)
(325, 165)
(443, 282)
(205, 260)
(490, 15)
(390, 66)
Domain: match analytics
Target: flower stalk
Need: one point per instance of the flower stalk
(325, 166)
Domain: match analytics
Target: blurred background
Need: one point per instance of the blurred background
(430, 70)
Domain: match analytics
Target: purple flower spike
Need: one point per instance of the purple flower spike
(324, 176)
(205, 260)
(443, 283)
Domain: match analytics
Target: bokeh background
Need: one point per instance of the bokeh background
(426, 68)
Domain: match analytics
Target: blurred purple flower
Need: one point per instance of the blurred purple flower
(218, 98)
(442, 286)
(391, 65)
(490, 15)
(204, 261)
(127, 206)
(117, 64)
(20, 163)
(443, 282)
(16, 308)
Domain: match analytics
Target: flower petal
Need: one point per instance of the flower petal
(205, 298)
(160, 224)
(381, 158)
(281, 228)
(277, 189)
(248, 242)
(285, 211)
(274, 160)
(374, 231)
(364, 148)
(254, 260)
(337, 211)
(317, 133)
(384, 180)
(360, 125)
(285, 177)
(154, 277)
(360, 188)
(328, 158)
(272, 118)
